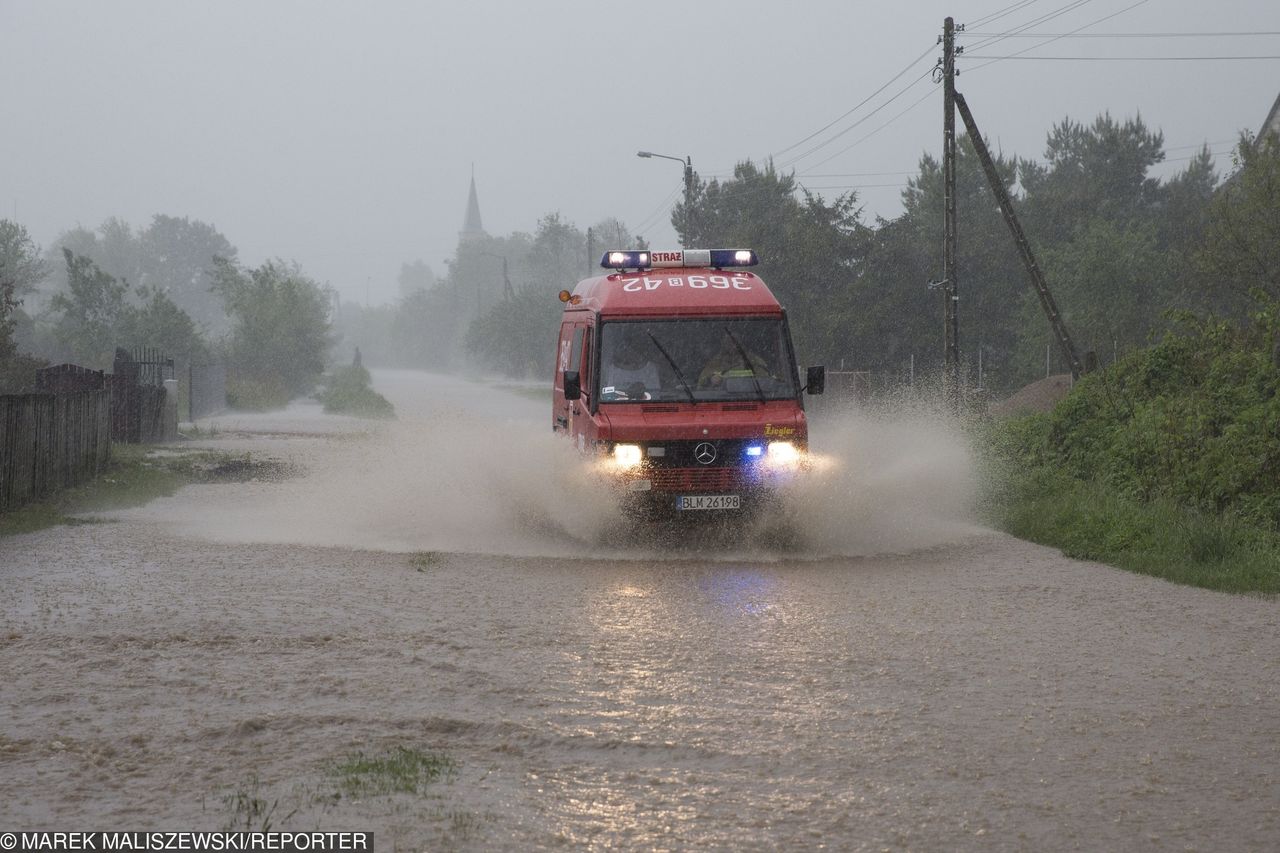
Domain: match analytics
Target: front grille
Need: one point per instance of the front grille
(677, 470)
(709, 479)
(730, 453)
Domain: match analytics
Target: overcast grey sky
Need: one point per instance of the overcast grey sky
(342, 135)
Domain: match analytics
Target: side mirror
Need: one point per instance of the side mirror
(816, 380)
(572, 385)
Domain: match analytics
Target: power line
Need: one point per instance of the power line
(1201, 145)
(1124, 58)
(854, 186)
(855, 108)
(652, 218)
(856, 174)
(1007, 10)
(1055, 38)
(858, 142)
(1077, 34)
(832, 139)
(1022, 28)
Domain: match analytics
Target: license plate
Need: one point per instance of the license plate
(708, 502)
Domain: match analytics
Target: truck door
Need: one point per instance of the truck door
(573, 334)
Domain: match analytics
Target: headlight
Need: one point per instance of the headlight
(627, 455)
(783, 453)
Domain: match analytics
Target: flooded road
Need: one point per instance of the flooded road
(888, 676)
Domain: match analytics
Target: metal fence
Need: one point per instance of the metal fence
(144, 406)
(51, 441)
(206, 389)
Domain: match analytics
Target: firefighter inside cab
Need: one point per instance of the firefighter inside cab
(676, 371)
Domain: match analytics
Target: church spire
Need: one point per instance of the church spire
(471, 225)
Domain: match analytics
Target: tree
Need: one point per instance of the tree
(515, 334)
(172, 254)
(159, 322)
(20, 262)
(177, 258)
(281, 336)
(21, 270)
(414, 277)
(612, 233)
(424, 331)
(90, 311)
(1090, 172)
(810, 250)
(1112, 282)
(557, 254)
(1240, 254)
(1114, 242)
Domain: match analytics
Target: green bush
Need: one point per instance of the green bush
(346, 391)
(1089, 520)
(1194, 419)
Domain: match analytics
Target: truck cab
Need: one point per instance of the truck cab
(676, 372)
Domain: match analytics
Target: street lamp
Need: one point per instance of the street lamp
(687, 162)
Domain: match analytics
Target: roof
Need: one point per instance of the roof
(1272, 122)
(687, 291)
(471, 225)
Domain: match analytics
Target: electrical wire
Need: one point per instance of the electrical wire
(854, 186)
(1055, 38)
(652, 218)
(1007, 10)
(858, 142)
(855, 108)
(831, 139)
(1079, 35)
(1022, 28)
(1124, 58)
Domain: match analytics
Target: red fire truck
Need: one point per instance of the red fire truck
(676, 371)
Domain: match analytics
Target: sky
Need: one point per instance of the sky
(343, 135)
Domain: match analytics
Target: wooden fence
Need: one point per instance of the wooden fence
(142, 412)
(51, 441)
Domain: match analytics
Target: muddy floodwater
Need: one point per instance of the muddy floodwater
(876, 671)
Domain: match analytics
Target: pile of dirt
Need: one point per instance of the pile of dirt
(1040, 396)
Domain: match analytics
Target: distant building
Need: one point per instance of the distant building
(1272, 123)
(472, 227)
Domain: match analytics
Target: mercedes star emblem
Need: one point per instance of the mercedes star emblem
(705, 453)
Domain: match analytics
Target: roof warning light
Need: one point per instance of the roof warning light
(641, 260)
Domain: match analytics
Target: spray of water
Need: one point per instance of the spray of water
(453, 479)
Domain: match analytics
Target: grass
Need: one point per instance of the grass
(250, 812)
(1158, 537)
(136, 475)
(403, 770)
(426, 560)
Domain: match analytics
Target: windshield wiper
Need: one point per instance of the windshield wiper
(746, 362)
(675, 367)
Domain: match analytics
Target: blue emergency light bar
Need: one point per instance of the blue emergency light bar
(643, 260)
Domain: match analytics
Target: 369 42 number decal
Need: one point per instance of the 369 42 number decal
(693, 282)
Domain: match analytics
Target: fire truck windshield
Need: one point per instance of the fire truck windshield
(695, 360)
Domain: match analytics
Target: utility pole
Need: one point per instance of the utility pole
(591, 250)
(688, 198)
(508, 292)
(950, 289)
(1020, 239)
